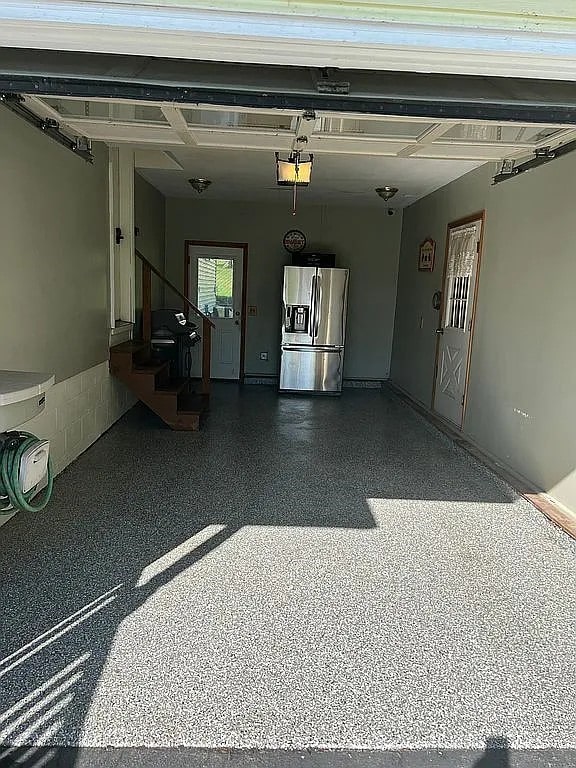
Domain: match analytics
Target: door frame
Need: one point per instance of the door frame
(224, 244)
(481, 217)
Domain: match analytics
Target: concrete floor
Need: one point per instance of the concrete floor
(303, 575)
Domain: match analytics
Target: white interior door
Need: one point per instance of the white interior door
(455, 331)
(215, 280)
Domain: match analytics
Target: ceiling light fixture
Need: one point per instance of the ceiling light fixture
(294, 172)
(386, 193)
(200, 185)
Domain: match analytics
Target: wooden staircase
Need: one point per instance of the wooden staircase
(172, 399)
(133, 363)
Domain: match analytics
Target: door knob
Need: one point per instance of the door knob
(440, 331)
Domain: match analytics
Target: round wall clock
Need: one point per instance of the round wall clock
(294, 241)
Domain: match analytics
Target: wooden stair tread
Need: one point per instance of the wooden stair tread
(173, 387)
(129, 347)
(152, 368)
(192, 404)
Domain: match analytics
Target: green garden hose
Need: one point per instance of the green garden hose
(11, 495)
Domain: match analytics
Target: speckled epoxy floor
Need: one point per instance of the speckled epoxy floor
(303, 573)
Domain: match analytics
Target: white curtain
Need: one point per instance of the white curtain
(462, 251)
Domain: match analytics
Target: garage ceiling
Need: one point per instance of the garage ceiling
(353, 152)
(336, 178)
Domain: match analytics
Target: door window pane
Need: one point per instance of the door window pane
(458, 299)
(215, 287)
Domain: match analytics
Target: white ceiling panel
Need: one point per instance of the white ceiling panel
(153, 158)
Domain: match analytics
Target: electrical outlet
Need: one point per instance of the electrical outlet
(263, 355)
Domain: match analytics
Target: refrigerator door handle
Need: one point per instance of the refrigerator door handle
(317, 304)
(288, 318)
(313, 309)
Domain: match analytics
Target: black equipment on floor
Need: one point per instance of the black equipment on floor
(173, 337)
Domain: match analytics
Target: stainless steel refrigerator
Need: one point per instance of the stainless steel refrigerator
(313, 329)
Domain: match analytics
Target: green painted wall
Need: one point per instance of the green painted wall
(365, 240)
(54, 254)
(521, 406)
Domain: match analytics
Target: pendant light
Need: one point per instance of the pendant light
(294, 172)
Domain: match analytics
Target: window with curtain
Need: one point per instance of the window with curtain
(462, 253)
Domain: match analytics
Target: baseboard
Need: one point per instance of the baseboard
(5, 517)
(364, 383)
(554, 510)
(256, 378)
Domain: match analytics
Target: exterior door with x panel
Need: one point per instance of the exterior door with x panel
(455, 331)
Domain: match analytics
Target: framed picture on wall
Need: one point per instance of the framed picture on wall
(427, 255)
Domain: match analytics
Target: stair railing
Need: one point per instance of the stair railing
(148, 269)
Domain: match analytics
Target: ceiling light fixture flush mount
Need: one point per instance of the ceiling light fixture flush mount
(294, 172)
(386, 193)
(200, 185)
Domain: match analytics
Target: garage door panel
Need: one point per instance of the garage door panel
(232, 140)
(465, 152)
(108, 131)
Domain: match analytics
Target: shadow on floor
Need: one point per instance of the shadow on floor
(72, 575)
(496, 754)
(492, 757)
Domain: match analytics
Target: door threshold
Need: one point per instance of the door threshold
(544, 503)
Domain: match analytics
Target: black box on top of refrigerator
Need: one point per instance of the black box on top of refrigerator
(313, 260)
